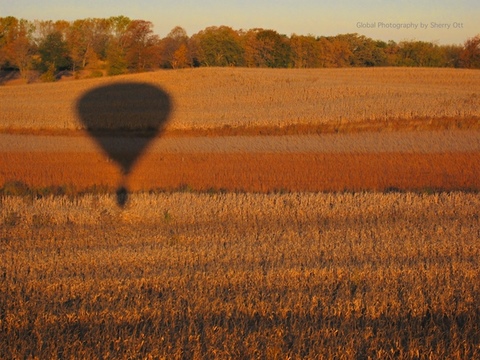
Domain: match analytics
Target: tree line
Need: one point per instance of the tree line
(121, 45)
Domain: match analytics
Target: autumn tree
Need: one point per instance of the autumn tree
(174, 49)
(141, 45)
(125, 45)
(8, 27)
(218, 46)
(305, 51)
(470, 56)
(79, 41)
(335, 52)
(267, 48)
(16, 44)
(180, 58)
(21, 51)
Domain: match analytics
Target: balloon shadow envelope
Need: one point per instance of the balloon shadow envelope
(123, 118)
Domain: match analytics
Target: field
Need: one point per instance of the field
(301, 214)
(186, 275)
(254, 103)
(311, 99)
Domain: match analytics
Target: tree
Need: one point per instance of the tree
(180, 57)
(218, 46)
(20, 51)
(470, 56)
(305, 51)
(177, 38)
(335, 52)
(16, 45)
(8, 30)
(116, 62)
(117, 25)
(267, 48)
(419, 53)
(79, 43)
(391, 53)
(54, 53)
(141, 46)
(4, 30)
(452, 55)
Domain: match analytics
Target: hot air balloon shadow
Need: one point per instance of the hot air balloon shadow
(123, 119)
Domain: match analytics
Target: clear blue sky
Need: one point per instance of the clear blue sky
(317, 17)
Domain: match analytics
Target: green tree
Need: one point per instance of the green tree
(419, 53)
(116, 61)
(452, 55)
(362, 51)
(77, 43)
(54, 53)
(218, 46)
(391, 53)
(270, 49)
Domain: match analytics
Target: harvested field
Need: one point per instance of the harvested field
(242, 109)
(352, 162)
(337, 218)
(263, 99)
(297, 275)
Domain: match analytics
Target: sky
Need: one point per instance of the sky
(441, 21)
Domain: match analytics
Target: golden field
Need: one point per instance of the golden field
(282, 214)
(265, 276)
(212, 98)
(217, 102)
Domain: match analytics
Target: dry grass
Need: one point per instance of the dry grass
(346, 276)
(311, 99)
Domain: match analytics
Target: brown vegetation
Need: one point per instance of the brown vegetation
(175, 276)
(330, 99)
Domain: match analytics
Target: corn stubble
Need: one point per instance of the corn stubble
(215, 98)
(187, 275)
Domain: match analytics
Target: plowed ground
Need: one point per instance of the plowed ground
(249, 170)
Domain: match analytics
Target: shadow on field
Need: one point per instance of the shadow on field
(123, 118)
(311, 335)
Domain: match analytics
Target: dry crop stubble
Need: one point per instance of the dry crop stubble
(241, 275)
(215, 98)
